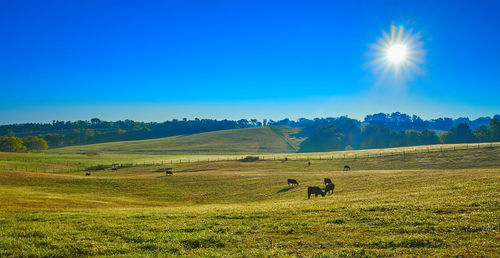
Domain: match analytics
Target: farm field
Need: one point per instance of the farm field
(431, 200)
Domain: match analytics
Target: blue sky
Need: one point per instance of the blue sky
(158, 60)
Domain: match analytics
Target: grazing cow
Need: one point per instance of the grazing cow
(309, 163)
(87, 174)
(347, 168)
(329, 188)
(328, 181)
(292, 182)
(286, 158)
(168, 173)
(314, 190)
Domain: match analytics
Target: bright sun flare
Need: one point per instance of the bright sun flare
(396, 53)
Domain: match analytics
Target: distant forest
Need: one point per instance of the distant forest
(323, 134)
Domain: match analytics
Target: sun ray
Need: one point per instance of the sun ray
(397, 54)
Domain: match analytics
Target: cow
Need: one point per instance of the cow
(314, 190)
(329, 188)
(347, 168)
(309, 163)
(87, 174)
(292, 182)
(168, 173)
(327, 181)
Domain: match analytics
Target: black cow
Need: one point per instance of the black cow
(314, 190)
(347, 168)
(168, 173)
(87, 174)
(329, 188)
(328, 181)
(292, 182)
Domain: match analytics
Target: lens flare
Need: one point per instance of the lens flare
(397, 54)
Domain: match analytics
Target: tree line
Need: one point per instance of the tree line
(345, 133)
(397, 121)
(375, 131)
(60, 134)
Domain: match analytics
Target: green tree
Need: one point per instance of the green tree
(483, 134)
(11, 144)
(459, 134)
(89, 133)
(495, 130)
(54, 139)
(326, 138)
(35, 143)
(376, 136)
(429, 137)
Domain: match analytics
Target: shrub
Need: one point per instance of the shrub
(250, 159)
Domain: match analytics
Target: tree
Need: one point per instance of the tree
(326, 138)
(376, 136)
(242, 123)
(495, 129)
(459, 134)
(482, 134)
(89, 132)
(35, 143)
(11, 144)
(429, 137)
(54, 139)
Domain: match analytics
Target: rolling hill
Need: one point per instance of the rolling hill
(247, 140)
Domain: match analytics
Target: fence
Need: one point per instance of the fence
(339, 155)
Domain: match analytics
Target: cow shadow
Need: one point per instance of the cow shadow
(286, 189)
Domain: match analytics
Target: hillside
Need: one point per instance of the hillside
(247, 140)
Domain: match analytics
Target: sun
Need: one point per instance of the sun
(397, 54)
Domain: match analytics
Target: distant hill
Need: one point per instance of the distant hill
(246, 140)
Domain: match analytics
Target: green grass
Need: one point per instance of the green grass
(247, 140)
(428, 202)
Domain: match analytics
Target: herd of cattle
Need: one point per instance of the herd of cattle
(329, 186)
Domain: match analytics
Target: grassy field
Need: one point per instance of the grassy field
(247, 140)
(425, 202)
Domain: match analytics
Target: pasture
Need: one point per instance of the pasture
(422, 203)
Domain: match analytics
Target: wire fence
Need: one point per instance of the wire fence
(346, 156)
